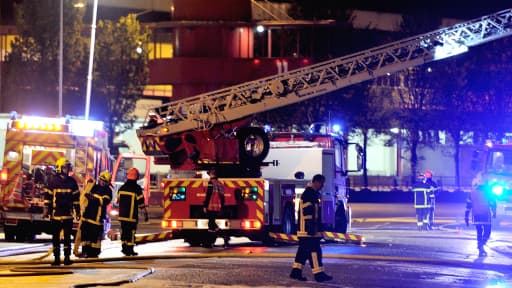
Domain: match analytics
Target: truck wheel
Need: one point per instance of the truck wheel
(9, 232)
(288, 223)
(193, 242)
(20, 234)
(253, 146)
(340, 219)
(209, 240)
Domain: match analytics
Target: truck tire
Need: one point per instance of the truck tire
(341, 219)
(288, 223)
(200, 238)
(10, 233)
(20, 234)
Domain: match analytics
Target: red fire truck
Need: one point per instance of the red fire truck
(31, 147)
(213, 130)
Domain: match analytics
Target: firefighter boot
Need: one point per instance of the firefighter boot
(56, 254)
(322, 277)
(297, 274)
(67, 259)
(129, 248)
(481, 251)
(125, 250)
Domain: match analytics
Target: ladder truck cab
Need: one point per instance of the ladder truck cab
(299, 156)
(496, 168)
(212, 130)
(32, 145)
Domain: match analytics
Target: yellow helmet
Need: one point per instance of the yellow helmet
(105, 176)
(62, 162)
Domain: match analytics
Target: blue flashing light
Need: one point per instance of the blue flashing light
(336, 128)
(497, 189)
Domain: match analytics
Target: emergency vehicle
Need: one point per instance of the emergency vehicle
(214, 129)
(31, 147)
(497, 169)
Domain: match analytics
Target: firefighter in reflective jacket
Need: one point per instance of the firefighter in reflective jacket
(422, 202)
(482, 205)
(432, 197)
(130, 199)
(94, 214)
(309, 233)
(61, 198)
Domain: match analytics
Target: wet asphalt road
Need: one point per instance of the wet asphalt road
(395, 255)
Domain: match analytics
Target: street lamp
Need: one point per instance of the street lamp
(91, 60)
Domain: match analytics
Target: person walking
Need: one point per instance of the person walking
(309, 233)
(94, 215)
(213, 205)
(130, 198)
(62, 197)
(482, 205)
(422, 191)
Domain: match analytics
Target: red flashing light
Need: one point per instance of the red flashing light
(256, 61)
(305, 61)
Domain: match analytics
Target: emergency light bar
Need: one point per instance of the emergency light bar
(33, 125)
(76, 127)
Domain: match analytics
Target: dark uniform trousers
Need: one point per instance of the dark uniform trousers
(309, 249)
(65, 225)
(91, 238)
(128, 230)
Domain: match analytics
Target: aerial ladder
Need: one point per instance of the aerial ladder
(195, 131)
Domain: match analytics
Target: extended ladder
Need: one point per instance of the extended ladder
(236, 102)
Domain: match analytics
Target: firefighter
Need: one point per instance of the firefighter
(309, 233)
(94, 214)
(61, 198)
(422, 191)
(213, 205)
(130, 199)
(482, 205)
(432, 198)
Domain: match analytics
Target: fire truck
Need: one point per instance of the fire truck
(214, 129)
(31, 147)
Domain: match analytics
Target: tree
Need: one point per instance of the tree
(32, 65)
(120, 72)
(413, 101)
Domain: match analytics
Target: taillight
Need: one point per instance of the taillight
(3, 176)
(173, 224)
(251, 224)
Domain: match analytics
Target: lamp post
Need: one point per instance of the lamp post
(61, 53)
(91, 60)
